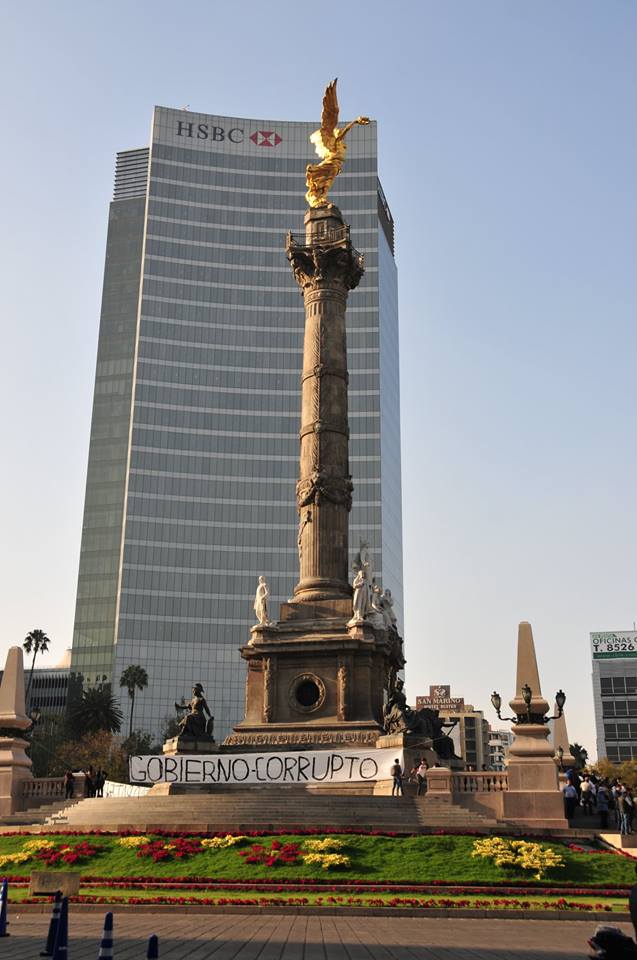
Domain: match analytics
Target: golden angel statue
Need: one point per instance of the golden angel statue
(329, 143)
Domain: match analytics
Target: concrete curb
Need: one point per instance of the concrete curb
(460, 913)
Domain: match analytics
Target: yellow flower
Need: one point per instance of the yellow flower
(327, 860)
(133, 841)
(323, 846)
(214, 843)
(518, 853)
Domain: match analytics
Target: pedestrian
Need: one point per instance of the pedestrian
(397, 778)
(614, 796)
(89, 786)
(69, 785)
(586, 797)
(421, 776)
(603, 799)
(100, 780)
(570, 801)
(630, 808)
(623, 812)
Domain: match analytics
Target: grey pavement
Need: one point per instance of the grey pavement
(256, 937)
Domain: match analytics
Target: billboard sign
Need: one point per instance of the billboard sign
(614, 646)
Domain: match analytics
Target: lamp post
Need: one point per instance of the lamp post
(527, 697)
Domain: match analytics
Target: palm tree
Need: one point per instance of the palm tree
(97, 710)
(37, 641)
(134, 678)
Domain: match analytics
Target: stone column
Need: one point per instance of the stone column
(326, 267)
(15, 766)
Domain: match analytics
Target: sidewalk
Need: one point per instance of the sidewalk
(243, 937)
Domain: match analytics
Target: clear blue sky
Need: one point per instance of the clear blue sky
(508, 156)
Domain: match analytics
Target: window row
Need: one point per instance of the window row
(621, 685)
(234, 180)
(260, 161)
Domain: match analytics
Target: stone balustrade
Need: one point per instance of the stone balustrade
(483, 781)
(41, 790)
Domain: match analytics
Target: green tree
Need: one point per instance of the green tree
(98, 750)
(37, 641)
(97, 710)
(133, 678)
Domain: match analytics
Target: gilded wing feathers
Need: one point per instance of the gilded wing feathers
(324, 140)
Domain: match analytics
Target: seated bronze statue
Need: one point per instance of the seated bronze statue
(399, 717)
(193, 725)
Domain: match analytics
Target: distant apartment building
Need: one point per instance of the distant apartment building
(614, 656)
(499, 743)
(49, 687)
(471, 734)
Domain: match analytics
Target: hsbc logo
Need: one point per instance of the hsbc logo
(206, 131)
(265, 138)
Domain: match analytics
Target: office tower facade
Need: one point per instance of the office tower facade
(614, 656)
(194, 443)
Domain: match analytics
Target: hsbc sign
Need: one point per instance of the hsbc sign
(208, 131)
(265, 138)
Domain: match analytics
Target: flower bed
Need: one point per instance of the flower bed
(418, 862)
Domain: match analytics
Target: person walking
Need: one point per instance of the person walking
(570, 801)
(421, 776)
(397, 779)
(586, 797)
(100, 780)
(603, 799)
(630, 809)
(69, 785)
(623, 812)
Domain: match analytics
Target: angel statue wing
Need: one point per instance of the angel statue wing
(324, 140)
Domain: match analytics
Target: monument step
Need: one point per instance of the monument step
(268, 810)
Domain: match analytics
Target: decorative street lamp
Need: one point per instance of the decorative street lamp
(527, 696)
(560, 757)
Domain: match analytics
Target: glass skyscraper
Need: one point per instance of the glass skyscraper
(194, 440)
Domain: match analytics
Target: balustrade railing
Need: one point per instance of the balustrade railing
(483, 781)
(43, 788)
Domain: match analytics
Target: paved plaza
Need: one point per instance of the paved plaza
(255, 937)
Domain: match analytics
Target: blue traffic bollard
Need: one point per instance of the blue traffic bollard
(106, 946)
(62, 935)
(4, 896)
(53, 926)
(153, 948)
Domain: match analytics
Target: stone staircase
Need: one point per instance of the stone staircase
(45, 813)
(268, 808)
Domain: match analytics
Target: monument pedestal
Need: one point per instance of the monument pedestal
(181, 744)
(313, 683)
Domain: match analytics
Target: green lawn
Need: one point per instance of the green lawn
(420, 859)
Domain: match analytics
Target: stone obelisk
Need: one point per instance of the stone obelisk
(326, 267)
(15, 766)
(534, 796)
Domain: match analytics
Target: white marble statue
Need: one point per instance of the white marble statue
(361, 596)
(261, 603)
(376, 612)
(388, 609)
